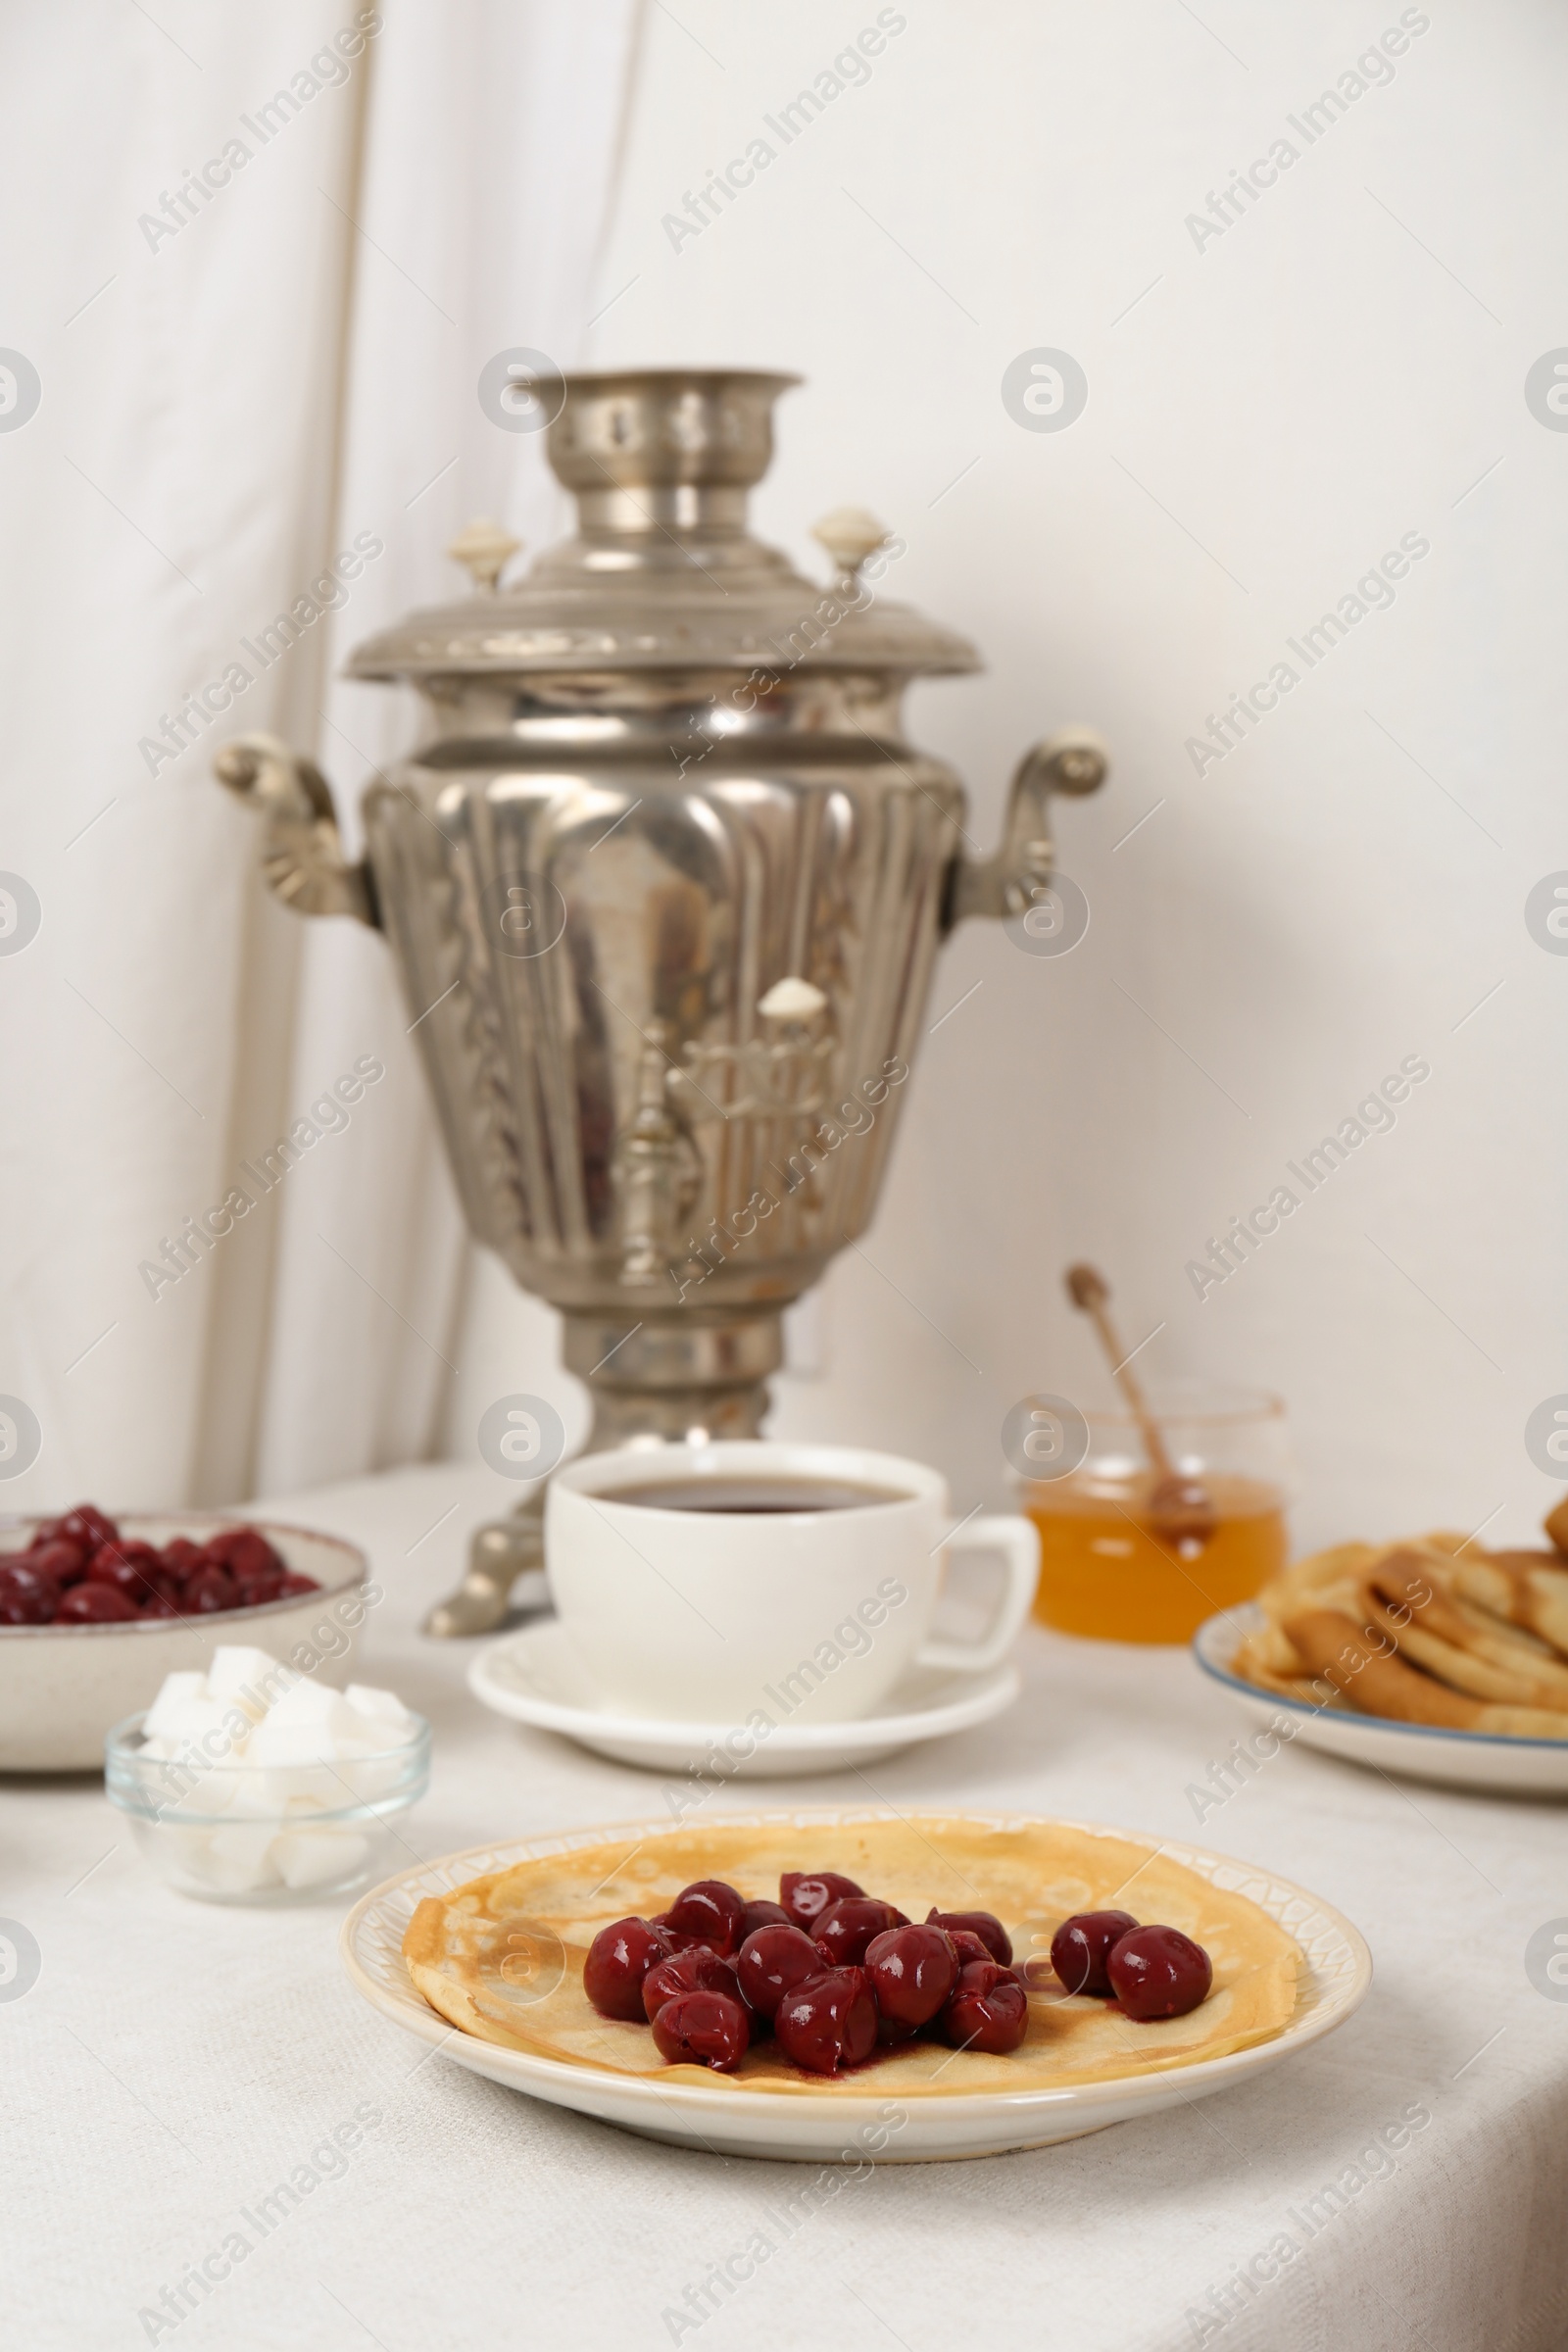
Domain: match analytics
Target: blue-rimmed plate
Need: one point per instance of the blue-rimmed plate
(1480, 1760)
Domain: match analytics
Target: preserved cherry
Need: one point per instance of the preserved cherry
(1158, 1971)
(619, 1957)
(94, 1605)
(65, 1561)
(28, 1596)
(807, 1893)
(135, 1569)
(762, 1915)
(989, 2010)
(847, 1927)
(1081, 1946)
(245, 1552)
(208, 1590)
(710, 1911)
(912, 1973)
(236, 1568)
(696, 1971)
(828, 2020)
(88, 1526)
(703, 2029)
(983, 1924)
(771, 1962)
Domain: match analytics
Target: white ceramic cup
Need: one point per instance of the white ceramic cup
(814, 1616)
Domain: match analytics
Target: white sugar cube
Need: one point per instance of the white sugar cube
(185, 1723)
(240, 1860)
(246, 1795)
(243, 1676)
(310, 1788)
(305, 1701)
(179, 1692)
(392, 1721)
(310, 1857)
(309, 1723)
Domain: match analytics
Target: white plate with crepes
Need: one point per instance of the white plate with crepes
(1288, 1969)
(1487, 1762)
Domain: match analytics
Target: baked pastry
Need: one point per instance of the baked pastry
(1433, 1631)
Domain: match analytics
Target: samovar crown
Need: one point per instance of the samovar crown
(653, 427)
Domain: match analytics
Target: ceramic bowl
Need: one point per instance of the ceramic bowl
(62, 1688)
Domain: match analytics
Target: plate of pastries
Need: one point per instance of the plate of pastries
(1430, 1656)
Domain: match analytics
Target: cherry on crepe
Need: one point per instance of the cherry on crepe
(619, 1957)
(703, 2029)
(771, 1962)
(983, 1924)
(807, 1893)
(763, 1915)
(1158, 1971)
(1081, 1946)
(989, 2010)
(710, 1911)
(828, 2020)
(912, 1973)
(694, 1971)
(845, 1929)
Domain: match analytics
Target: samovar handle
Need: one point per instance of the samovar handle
(301, 855)
(1077, 761)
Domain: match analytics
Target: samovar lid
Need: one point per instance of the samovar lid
(664, 573)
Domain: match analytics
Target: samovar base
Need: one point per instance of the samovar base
(663, 1379)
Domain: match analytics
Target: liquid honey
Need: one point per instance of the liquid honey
(1107, 1571)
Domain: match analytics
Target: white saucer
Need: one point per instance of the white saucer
(1488, 1761)
(533, 1677)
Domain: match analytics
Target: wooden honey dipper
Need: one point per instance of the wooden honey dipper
(1179, 1507)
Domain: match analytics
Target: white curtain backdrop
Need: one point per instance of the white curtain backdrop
(242, 377)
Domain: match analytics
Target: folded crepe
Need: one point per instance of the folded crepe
(502, 1957)
(1432, 1630)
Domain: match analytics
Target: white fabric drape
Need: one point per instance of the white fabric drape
(244, 377)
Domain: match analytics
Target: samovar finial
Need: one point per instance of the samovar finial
(484, 548)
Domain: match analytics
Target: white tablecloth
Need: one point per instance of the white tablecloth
(176, 2060)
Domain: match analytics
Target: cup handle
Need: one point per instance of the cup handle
(1020, 1541)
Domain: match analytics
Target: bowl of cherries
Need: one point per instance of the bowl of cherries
(95, 1611)
(835, 1976)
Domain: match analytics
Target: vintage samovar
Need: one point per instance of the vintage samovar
(664, 883)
